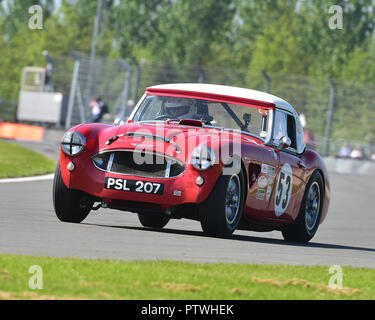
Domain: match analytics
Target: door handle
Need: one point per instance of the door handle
(301, 164)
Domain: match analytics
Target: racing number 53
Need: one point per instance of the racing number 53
(280, 194)
(284, 189)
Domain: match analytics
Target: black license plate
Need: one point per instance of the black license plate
(138, 186)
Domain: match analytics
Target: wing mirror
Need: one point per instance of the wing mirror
(284, 143)
(118, 122)
(247, 119)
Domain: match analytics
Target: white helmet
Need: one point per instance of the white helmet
(180, 108)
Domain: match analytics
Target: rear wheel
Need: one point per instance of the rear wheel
(70, 205)
(153, 220)
(307, 223)
(222, 211)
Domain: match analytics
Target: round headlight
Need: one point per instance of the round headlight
(202, 158)
(73, 143)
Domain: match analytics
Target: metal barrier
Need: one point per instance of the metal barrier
(350, 166)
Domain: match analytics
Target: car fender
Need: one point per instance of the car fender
(91, 132)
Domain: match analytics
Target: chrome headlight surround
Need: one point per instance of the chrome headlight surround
(73, 143)
(203, 158)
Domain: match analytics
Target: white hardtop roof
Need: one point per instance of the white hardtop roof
(229, 91)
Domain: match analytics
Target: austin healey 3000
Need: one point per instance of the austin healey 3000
(229, 157)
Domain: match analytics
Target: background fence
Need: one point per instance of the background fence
(81, 79)
(350, 106)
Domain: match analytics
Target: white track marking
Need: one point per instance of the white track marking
(28, 179)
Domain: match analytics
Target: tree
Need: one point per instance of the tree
(331, 48)
(279, 49)
(252, 18)
(191, 28)
(15, 14)
(356, 98)
(136, 24)
(23, 49)
(64, 30)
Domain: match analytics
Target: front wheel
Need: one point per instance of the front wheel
(222, 211)
(307, 222)
(70, 205)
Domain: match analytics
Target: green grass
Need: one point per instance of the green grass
(104, 279)
(17, 161)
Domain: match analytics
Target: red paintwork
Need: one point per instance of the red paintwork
(91, 180)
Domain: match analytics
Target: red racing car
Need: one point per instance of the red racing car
(229, 157)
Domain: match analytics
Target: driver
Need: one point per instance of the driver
(180, 108)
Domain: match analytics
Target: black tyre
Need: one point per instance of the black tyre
(308, 220)
(70, 205)
(153, 220)
(222, 211)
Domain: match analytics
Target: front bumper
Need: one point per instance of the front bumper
(177, 191)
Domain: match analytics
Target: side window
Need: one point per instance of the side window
(300, 136)
(292, 131)
(285, 125)
(280, 128)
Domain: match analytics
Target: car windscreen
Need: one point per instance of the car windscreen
(231, 116)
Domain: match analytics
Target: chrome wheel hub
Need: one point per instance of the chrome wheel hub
(312, 206)
(233, 199)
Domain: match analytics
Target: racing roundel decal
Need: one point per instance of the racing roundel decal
(283, 189)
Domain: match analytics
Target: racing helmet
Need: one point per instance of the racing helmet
(180, 108)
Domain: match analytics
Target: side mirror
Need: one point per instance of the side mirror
(118, 122)
(247, 119)
(284, 143)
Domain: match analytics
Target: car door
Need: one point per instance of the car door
(262, 163)
(289, 181)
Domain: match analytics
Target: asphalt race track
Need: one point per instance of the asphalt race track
(28, 226)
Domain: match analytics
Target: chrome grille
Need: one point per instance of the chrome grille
(141, 164)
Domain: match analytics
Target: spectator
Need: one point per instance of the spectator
(98, 109)
(48, 85)
(345, 151)
(356, 153)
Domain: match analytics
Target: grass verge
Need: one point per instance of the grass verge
(17, 161)
(104, 279)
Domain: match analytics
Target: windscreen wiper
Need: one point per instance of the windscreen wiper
(114, 138)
